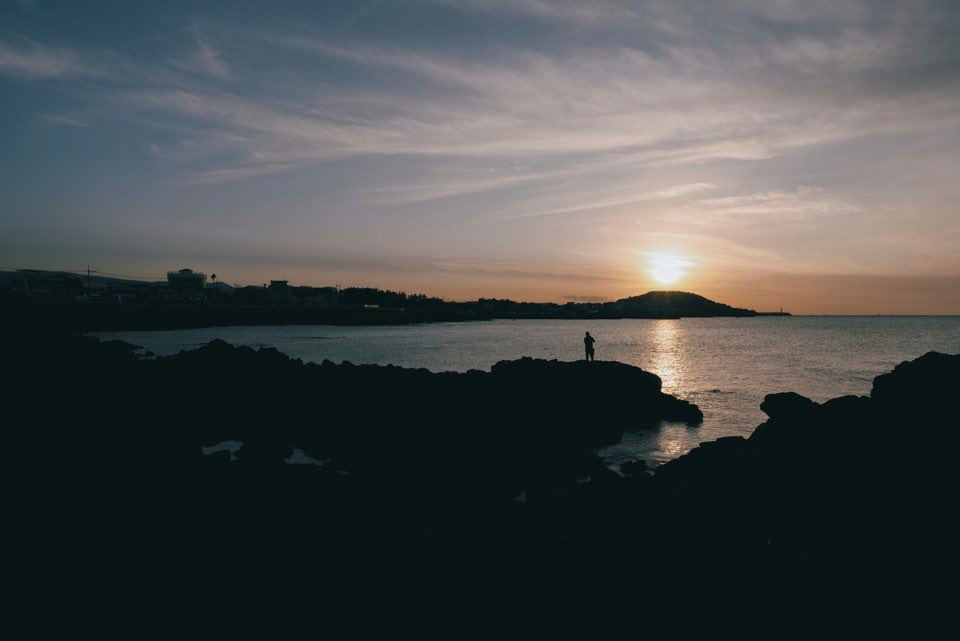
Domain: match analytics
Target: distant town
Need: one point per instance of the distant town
(189, 298)
(180, 286)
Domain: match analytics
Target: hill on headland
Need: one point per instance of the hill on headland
(675, 303)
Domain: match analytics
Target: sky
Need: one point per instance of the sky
(766, 154)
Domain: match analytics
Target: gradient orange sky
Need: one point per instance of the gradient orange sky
(794, 154)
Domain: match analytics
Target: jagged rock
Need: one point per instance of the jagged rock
(847, 410)
(708, 460)
(628, 395)
(919, 387)
(589, 375)
(787, 406)
(792, 417)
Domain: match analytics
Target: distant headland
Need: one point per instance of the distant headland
(188, 299)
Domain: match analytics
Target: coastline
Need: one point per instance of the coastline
(99, 317)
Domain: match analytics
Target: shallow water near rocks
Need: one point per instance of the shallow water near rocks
(724, 365)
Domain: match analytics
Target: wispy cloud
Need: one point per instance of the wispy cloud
(237, 173)
(619, 201)
(205, 59)
(33, 60)
(587, 12)
(690, 102)
(60, 119)
(777, 204)
(694, 104)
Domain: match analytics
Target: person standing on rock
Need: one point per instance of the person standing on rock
(588, 342)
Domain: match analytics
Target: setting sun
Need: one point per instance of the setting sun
(667, 269)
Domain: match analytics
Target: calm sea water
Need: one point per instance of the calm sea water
(724, 365)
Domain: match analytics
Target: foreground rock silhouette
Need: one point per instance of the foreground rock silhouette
(484, 479)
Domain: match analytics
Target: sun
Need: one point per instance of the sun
(666, 269)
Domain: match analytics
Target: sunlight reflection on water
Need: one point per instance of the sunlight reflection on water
(666, 359)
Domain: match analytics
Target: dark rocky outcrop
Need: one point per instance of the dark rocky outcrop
(416, 448)
(486, 479)
(612, 393)
(788, 406)
(838, 484)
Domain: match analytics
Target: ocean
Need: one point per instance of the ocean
(724, 365)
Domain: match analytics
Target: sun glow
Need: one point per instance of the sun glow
(667, 269)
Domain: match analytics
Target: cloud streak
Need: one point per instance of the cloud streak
(695, 105)
(36, 61)
(686, 103)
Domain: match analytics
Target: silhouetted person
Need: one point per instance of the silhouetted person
(588, 342)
